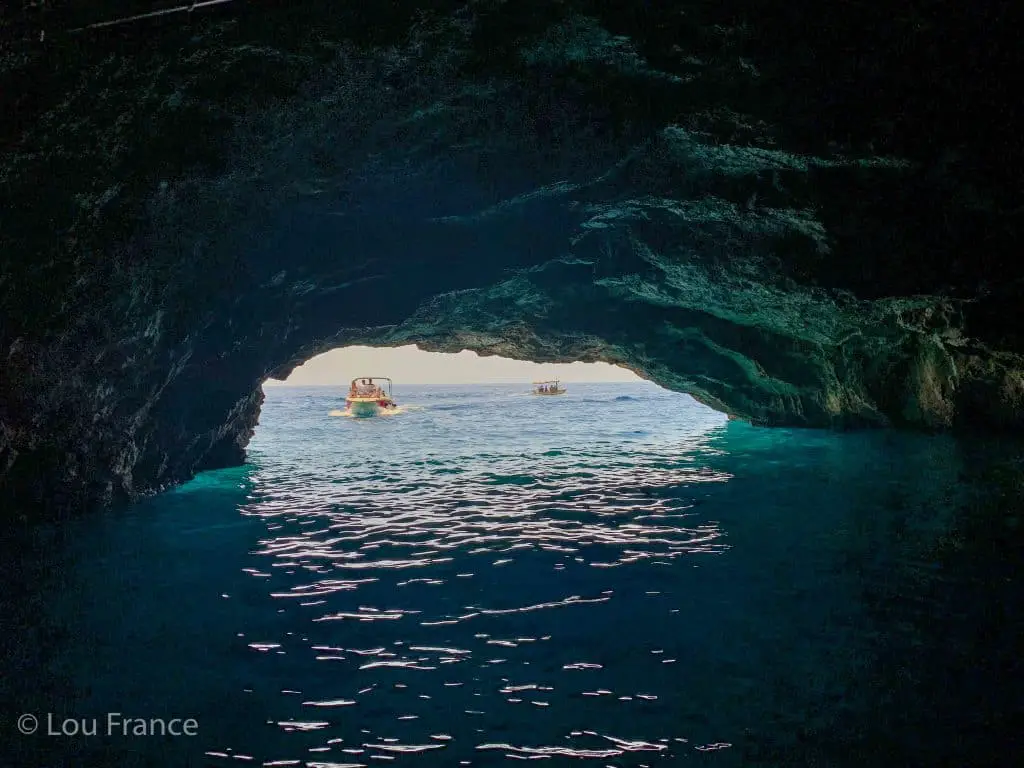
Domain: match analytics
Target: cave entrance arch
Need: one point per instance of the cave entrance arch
(197, 208)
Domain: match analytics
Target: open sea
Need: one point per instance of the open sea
(614, 577)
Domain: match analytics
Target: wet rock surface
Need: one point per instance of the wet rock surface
(802, 216)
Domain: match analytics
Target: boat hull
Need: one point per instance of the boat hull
(362, 408)
(365, 407)
(550, 394)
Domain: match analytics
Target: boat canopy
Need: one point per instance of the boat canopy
(547, 387)
(372, 380)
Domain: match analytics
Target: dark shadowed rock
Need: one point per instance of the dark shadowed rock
(801, 215)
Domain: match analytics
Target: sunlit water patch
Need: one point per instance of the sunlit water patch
(615, 577)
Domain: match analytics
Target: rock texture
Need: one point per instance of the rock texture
(802, 215)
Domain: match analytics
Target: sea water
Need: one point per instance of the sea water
(616, 577)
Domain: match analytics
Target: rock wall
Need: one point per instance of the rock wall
(802, 216)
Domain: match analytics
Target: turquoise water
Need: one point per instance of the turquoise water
(615, 577)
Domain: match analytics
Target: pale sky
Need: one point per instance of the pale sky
(409, 365)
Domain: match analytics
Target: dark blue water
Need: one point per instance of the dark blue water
(618, 576)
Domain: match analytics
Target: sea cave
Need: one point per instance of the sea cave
(804, 217)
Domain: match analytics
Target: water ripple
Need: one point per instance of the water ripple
(383, 548)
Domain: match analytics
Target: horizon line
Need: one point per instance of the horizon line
(278, 383)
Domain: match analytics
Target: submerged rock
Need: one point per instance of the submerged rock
(802, 216)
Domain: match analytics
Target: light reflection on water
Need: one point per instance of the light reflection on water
(626, 580)
(435, 549)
